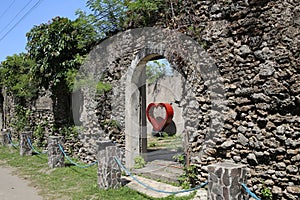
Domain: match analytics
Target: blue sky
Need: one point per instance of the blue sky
(15, 41)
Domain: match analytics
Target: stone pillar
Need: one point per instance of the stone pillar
(109, 172)
(225, 181)
(4, 140)
(25, 148)
(55, 156)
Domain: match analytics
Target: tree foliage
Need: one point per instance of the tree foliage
(106, 15)
(158, 69)
(111, 16)
(141, 13)
(58, 47)
(15, 76)
(21, 119)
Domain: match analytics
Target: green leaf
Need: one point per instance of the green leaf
(57, 47)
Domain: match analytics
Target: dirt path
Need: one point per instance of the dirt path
(15, 188)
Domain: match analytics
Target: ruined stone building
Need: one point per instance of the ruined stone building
(240, 101)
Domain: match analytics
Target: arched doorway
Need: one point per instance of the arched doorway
(164, 89)
(138, 46)
(140, 140)
(135, 108)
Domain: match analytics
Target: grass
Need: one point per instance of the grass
(169, 142)
(67, 183)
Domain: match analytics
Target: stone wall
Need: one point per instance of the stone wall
(111, 105)
(7, 108)
(102, 114)
(42, 118)
(41, 115)
(255, 46)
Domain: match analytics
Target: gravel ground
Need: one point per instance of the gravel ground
(14, 188)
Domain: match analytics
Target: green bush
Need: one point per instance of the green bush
(266, 193)
(189, 178)
(180, 158)
(21, 119)
(139, 162)
(39, 134)
(70, 132)
(103, 87)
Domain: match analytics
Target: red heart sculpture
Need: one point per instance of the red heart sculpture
(160, 123)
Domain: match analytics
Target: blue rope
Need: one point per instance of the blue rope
(11, 142)
(31, 146)
(249, 192)
(76, 164)
(154, 189)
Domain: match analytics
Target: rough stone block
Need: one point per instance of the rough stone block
(109, 173)
(55, 155)
(4, 140)
(25, 148)
(224, 181)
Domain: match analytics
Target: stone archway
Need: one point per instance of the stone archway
(139, 46)
(137, 133)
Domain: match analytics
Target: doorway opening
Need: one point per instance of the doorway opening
(163, 85)
(153, 80)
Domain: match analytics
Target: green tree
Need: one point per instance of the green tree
(18, 84)
(111, 16)
(15, 77)
(141, 13)
(59, 48)
(157, 69)
(106, 15)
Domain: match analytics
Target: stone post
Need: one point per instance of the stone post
(4, 140)
(25, 148)
(109, 172)
(225, 181)
(55, 156)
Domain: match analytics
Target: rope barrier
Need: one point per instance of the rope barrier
(249, 192)
(31, 146)
(154, 189)
(76, 164)
(11, 142)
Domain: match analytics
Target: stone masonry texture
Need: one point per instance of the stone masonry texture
(4, 140)
(224, 181)
(109, 173)
(255, 46)
(55, 155)
(25, 148)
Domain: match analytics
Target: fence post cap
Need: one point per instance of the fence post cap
(228, 164)
(55, 137)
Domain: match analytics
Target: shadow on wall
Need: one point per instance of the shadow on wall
(170, 129)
